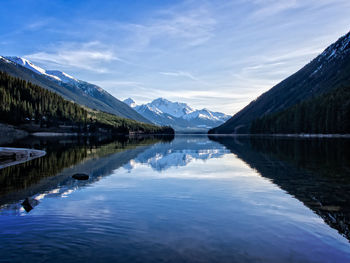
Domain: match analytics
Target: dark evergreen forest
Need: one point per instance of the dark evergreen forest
(325, 114)
(27, 105)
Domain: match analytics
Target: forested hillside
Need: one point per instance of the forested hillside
(96, 98)
(27, 105)
(328, 71)
(328, 113)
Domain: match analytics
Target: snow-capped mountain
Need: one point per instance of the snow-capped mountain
(130, 102)
(337, 49)
(178, 115)
(59, 76)
(55, 75)
(174, 109)
(69, 87)
(62, 76)
(29, 65)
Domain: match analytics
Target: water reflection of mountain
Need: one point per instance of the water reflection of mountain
(315, 171)
(180, 152)
(52, 174)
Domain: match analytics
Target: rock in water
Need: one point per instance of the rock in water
(80, 176)
(29, 203)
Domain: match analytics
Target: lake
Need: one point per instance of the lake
(182, 199)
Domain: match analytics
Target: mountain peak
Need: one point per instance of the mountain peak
(178, 115)
(29, 65)
(4, 59)
(175, 109)
(326, 72)
(68, 87)
(337, 49)
(160, 100)
(130, 102)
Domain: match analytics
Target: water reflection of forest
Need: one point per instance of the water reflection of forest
(63, 154)
(315, 171)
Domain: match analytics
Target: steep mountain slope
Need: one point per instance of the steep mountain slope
(35, 109)
(178, 115)
(328, 71)
(328, 113)
(67, 86)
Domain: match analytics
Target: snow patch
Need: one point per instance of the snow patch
(130, 102)
(58, 76)
(176, 114)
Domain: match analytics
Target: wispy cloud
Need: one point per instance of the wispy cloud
(218, 54)
(272, 7)
(182, 74)
(88, 56)
(36, 25)
(120, 83)
(191, 27)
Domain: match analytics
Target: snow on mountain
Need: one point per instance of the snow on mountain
(57, 76)
(52, 74)
(73, 89)
(4, 59)
(337, 49)
(178, 115)
(175, 109)
(64, 77)
(29, 65)
(206, 114)
(130, 102)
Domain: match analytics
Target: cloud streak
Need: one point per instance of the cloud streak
(215, 54)
(88, 56)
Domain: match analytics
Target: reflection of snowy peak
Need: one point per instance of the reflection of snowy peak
(178, 115)
(179, 152)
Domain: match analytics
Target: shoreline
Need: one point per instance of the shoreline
(12, 156)
(10, 133)
(288, 135)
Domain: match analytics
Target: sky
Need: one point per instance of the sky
(218, 54)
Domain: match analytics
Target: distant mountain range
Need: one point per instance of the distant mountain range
(70, 88)
(178, 115)
(328, 71)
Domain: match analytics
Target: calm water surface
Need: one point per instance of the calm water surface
(188, 199)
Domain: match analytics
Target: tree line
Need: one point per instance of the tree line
(22, 102)
(328, 113)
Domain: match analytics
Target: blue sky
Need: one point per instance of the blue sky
(214, 54)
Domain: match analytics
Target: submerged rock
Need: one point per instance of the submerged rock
(80, 176)
(29, 203)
